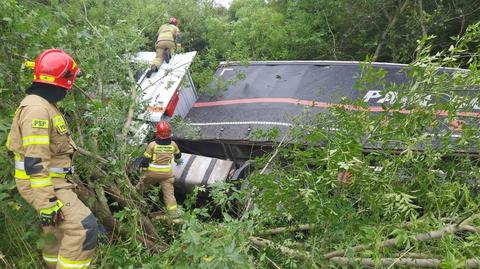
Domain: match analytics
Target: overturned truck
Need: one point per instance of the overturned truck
(261, 95)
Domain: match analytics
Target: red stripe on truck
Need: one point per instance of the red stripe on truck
(316, 104)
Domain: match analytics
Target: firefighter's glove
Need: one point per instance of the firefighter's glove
(52, 216)
(140, 162)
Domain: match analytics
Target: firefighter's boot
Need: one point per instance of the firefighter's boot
(152, 70)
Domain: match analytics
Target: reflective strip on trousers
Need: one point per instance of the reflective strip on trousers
(56, 175)
(50, 258)
(41, 182)
(172, 207)
(36, 140)
(61, 172)
(19, 165)
(21, 174)
(66, 263)
(160, 168)
(54, 171)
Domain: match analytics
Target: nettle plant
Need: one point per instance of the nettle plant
(358, 175)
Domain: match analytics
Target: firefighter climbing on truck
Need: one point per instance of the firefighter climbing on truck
(158, 158)
(43, 149)
(167, 41)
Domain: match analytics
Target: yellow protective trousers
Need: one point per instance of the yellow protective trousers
(160, 48)
(71, 244)
(166, 181)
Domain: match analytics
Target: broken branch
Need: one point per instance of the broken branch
(300, 227)
(427, 263)
(261, 242)
(84, 93)
(409, 262)
(450, 229)
(89, 154)
(131, 109)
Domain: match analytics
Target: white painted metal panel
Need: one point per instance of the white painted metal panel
(158, 90)
(188, 97)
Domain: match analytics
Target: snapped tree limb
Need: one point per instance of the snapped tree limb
(409, 262)
(300, 227)
(131, 109)
(89, 154)
(450, 229)
(261, 242)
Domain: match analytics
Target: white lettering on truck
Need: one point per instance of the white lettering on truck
(391, 97)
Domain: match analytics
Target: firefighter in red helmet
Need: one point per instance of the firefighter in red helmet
(43, 148)
(158, 159)
(167, 41)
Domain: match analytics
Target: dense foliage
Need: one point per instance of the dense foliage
(415, 191)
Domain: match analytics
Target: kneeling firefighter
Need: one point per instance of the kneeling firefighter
(158, 159)
(167, 41)
(43, 150)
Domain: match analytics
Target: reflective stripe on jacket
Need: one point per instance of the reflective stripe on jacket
(39, 132)
(167, 32)
(161, 156)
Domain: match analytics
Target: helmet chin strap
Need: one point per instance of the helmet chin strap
(51, 93)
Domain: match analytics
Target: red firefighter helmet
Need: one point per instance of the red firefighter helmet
(173, 21)
(164, 131)
(55, 67)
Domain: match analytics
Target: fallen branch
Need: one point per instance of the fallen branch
(261, 242)
(102, 211)
(89, 154)
(415, 255)
(99, 206)
(85, 93)
(145, 222)
(450, 229)
(131, 109)
(2, 258)
(116, 194)
(79, 130)
(300, 227)
(400, 257)
(426, 263)
(270, 260)
(409, 262)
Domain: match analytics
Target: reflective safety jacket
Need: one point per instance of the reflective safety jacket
(43, 149)
(168, 32)
(161, 157)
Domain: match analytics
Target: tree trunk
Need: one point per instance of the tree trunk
(390, 25)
